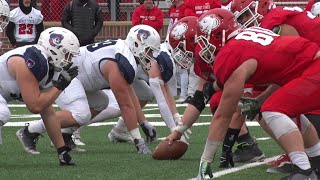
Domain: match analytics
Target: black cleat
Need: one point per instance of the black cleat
(300, 174)
(248, 153)
(64, 158)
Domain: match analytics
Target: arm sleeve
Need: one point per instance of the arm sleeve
(66, 18)
(136, 18)
(155, 85)
(39, 28)
(98, 22)
(10, 33)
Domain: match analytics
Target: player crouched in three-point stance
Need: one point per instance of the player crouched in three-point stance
(294, 69)
(37, 74)
(107, 64)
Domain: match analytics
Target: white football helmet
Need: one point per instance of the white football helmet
(144, 42)
(315, 10)
(60, 44)
(5, 14)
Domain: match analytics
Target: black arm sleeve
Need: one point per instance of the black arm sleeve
(39, 29)
(98, 21)
(10, 33)
(66, 18)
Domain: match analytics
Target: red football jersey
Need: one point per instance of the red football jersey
(201, 68)
(280, 58)
(198, 7)
(303, 21)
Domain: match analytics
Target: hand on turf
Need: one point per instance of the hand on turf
(149, 131)
(204, 169)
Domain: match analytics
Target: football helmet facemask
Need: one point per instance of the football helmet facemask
(60, 45)
(250, 12)
(214, 29)
(144, 42)
(315, 10)
(182, 40)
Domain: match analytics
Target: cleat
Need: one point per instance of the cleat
(141, 147)
(315, 165)
(282, 158)
(118, 135)
(65, 159)
(77, 138)
(300, 174)
(78, 141)
(28, 140)
(70, 143)
(248, 153)
(284, 167)
(181, 99)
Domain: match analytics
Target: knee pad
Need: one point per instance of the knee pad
(198, 100)
(304, 121)
(98, 100)
(4, 115)
(279, 123)
(82, 117)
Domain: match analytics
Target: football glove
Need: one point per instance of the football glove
(149, 131)
(250, 107)
(226, 159)
(67, 74)
(204, 169)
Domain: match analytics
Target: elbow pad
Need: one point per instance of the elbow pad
(198, 100)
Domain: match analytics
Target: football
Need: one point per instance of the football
(165, 152)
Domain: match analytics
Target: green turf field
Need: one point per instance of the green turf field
(105, 160)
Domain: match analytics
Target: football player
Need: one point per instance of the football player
(184, 43)
(246, 57)
(37, 74)
(283, 21)
(107, 64)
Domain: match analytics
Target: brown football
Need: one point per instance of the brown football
(165, 152)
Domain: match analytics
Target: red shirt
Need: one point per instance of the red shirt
(176, 13)
(303, 21)
(280, 58)
(201, 68)
(198, 7)
(153, 17)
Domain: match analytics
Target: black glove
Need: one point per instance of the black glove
(208, 91)
(250, 107)
(66, 77)
(226, 159)
(149, 131)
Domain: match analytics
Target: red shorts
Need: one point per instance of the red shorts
(299, 95)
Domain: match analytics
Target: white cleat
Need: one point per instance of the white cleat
(77, 140)
(118, 135)
(181, 99)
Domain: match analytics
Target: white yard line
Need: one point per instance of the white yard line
(239, 168)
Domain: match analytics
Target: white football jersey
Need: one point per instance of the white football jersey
(37, 63)
(94, 56)
(25, 25)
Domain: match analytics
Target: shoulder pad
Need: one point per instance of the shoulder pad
(166, 66)
(125, 67)
(36, 62)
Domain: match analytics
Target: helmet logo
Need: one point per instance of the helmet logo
(143, 34)
(209, 23)
(55, 39)
(179, 30)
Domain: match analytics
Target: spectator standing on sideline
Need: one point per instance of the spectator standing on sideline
(25, 24)
(149, 14)
(84, 18)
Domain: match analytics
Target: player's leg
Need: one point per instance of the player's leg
(183, 75)
(4, 114)
(193, 84)
(287, 102)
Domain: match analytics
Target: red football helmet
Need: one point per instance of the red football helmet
(182, 40)
(250, 12)
(215, 27)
